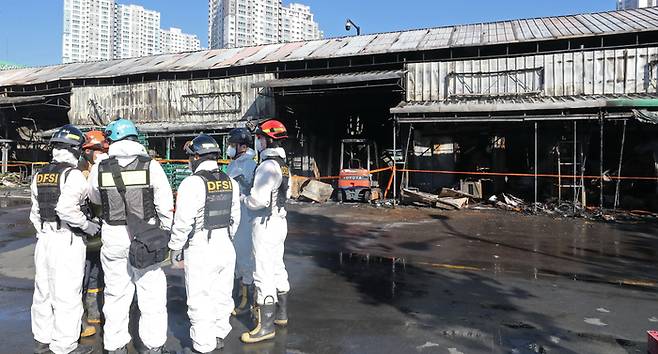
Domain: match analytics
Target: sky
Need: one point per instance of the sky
(31, 30)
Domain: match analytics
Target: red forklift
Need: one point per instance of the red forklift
(354, 180)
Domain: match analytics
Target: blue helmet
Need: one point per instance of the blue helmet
(68, 135)
(120, 129)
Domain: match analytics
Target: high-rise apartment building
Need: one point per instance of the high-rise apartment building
(136, 31)
(88, 30)
(634, 4)
(104, 30)
(298, 24)
(174, 40)
(239, 23)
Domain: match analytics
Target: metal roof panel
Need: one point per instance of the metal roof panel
(355, 45)
(409, 40)
(306, 50)
(437, 38)
(330, 48)
(628, 21)
(283, 52)
(258, 56)
(382, 43)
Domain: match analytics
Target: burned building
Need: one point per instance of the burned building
(546, 108)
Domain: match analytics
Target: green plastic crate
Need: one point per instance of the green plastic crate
(176, 173)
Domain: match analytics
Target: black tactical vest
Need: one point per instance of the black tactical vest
(219, 198)
(48, 189)
(282, 192)
(139, 192)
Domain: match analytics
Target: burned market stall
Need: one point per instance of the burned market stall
(331, 114)
(574, 127)
(557, 108)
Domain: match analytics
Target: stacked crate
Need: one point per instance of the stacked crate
(143, 139)
(176, 173)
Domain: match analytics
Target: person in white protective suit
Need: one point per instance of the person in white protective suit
(149, 197)
(94, 150)
(207, 215)
(57, 193)
(266, 201)
(242, 168)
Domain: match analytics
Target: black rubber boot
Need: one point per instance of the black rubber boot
(92, 306)
(264, 324)
(88, 330)
(82, 349)
(160, 350)
(41, 348)
(247, 297)
(281, 318)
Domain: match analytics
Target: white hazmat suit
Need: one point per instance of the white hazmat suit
(121, 279)
(245, 166)
(209, 261)
(59, 260)
(269, 232)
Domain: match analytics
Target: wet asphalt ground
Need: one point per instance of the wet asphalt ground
(407, 280)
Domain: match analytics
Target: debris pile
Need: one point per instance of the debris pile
(11, 180)
(566, 209)
(447, 199)
(507, 202)
(305, 188)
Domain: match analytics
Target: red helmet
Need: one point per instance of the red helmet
(273, 128)
(95, 140)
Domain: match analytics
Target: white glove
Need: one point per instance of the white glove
(92, 228)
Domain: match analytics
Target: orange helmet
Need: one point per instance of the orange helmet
(273, 128)
(95, 140)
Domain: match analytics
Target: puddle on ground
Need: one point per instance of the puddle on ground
(13, 202)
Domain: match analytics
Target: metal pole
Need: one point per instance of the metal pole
(621, 156)
(535, 206)
(406, 155)
(575, 147)
(342, 155)
(395, 180)
(559, 175)
(168, 152)
(5, 157)
(601, 161)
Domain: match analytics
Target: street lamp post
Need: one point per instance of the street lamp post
(349, 24)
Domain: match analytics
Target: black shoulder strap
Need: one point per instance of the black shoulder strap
(143, 161)
(115, 169)
(278, 159)
(66, 173)
(205, 174)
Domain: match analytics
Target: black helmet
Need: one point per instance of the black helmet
(240, 136)
(68, 135)
(202, 145)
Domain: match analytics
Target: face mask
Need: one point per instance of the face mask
(230, 151)
(88, 156)
(260, 144)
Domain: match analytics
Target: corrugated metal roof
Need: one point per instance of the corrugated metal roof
(525, 103)
(332, 79)
(521, 30)
(20, 100)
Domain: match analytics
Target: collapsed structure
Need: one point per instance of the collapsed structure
(555, 107)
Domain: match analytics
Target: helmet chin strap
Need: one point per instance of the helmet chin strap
(194, 164)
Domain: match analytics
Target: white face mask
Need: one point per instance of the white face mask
(260, 144)
(230, 151)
